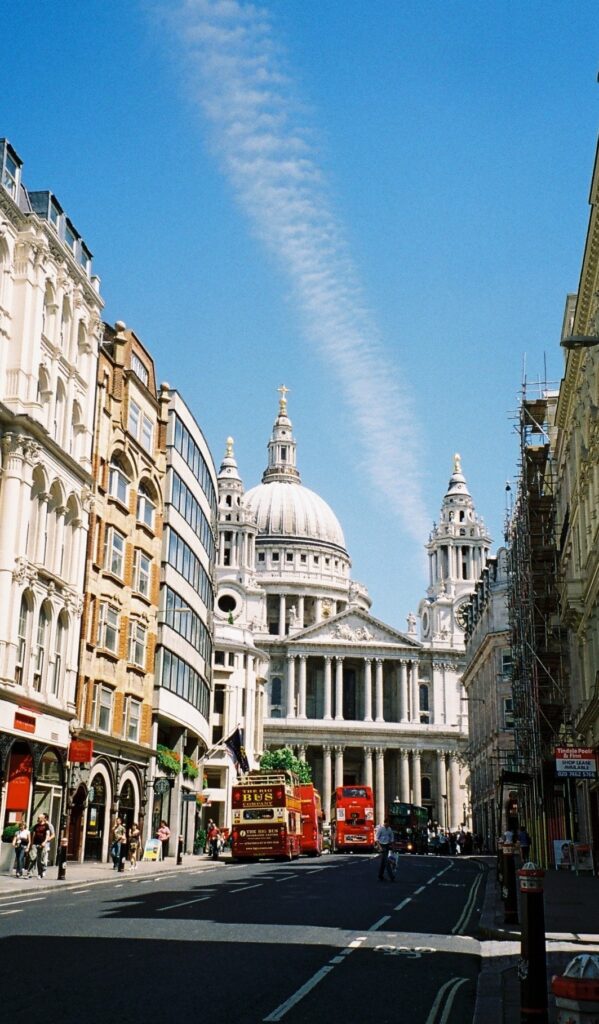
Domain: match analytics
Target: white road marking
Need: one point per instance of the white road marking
(80, 890)
(173, 906)
(309, 985)
(287, 878)
(32, 899)
(454, 984)
(463, 920)
(5, 913)
(418, 891)
(377, 924)
(403, 903)
(336, 960)
(245, 888)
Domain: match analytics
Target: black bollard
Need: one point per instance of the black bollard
(62, 860)
(532, 969)
(180, 850)
(509, 891)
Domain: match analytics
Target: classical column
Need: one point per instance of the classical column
(301, 752)
(455, 810)
(250, 700)
(300, 611)
(282, 614)
(368, 689)
(404, 776)
(403, 691)
(326, 782)
(379, 797)
(441, 790)
(339, 688)
(290, 710)
(302, 687)
(378, 688)
(416, 778)
(415, 692)
(338, 766)
(328, 692)
(368, 766)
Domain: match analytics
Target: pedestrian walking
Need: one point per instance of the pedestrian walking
(524, 841)
(22, 844)
(119, 835)
(163, 833)
(39, 845)
(133, 847)
(51, 838)
(384, 837)
(213, 840)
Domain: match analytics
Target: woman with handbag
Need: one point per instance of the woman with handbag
(22, 845)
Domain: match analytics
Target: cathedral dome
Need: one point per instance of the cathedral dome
(293, 511)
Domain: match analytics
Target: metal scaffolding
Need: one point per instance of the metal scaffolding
(538, 664)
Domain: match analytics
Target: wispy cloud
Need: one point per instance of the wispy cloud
(239, 75)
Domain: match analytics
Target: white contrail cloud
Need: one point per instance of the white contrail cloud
(238, 75)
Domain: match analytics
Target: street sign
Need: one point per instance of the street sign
(189, 797)
(575, 763)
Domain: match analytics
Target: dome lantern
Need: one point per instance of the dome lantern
(282, 448)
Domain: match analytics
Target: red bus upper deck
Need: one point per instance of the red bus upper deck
(352, 819)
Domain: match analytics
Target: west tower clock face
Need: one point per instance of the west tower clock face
(462, 615)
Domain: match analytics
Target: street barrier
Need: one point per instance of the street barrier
(576, 991)
(62, 860)
(509, 891)
(180, 850)
(532, 967)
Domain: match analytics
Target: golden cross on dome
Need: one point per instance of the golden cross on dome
(283, 391)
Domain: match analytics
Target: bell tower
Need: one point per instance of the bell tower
(458, 548)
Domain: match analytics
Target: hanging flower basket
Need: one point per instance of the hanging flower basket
(190, 768)
(168, 760)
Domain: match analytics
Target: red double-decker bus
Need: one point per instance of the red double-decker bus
(266, 816)
(352, 819)
(312, 818)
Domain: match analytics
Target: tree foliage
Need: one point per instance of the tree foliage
(275, 760)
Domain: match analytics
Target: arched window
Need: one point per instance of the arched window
(65, 324)
(77, 428)
(44, 393)
(59, 412)
(145, 506)
(118, 480)
(59, 649)
(72, 525)
(36, 530)
(41, 644)
(4, 273)
(49, 312)
(24, 630)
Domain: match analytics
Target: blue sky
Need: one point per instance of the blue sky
(380, 204)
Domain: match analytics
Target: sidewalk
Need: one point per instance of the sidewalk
(571, 906)
(94, 872)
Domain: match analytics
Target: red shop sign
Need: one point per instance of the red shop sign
(81, 751)
(19, 782)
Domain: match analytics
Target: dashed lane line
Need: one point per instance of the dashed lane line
(381, 921)
(175, 906)
(281, 1010)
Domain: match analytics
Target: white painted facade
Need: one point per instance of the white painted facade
(50, 331)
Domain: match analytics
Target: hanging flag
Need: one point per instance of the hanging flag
(234, 745)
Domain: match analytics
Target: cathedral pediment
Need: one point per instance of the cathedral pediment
(353, 626)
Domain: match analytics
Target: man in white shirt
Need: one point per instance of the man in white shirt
(384, 837)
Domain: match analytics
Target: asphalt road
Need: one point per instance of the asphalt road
(309, 941)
